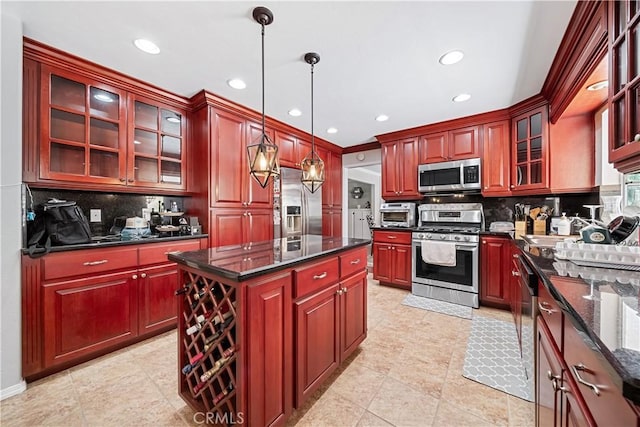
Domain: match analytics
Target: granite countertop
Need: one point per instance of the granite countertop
(603, 305)
(240, 263)
(113, 243)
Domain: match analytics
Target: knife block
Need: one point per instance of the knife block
(539, 226)
(520, 228)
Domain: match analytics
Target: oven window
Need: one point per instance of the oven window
(394, 216)
(462, 273)
(440, 177)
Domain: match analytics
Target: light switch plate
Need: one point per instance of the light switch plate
(95, 215)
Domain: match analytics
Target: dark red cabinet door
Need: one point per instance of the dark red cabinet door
(464, 143)
(86, 315)
(316, 336)
(495, 271)
(157, 302)
(402, 265)
(353, 307)
(434, 148)
(383, 262)
(496, 159)
(269, 342)
(549, 376)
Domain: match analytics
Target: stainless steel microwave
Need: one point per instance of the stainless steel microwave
(456, 175)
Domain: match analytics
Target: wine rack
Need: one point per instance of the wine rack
(209, 346)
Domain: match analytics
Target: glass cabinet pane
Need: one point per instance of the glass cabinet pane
(620, 65)
(104, 104)
(171, 122)
(621, 17)
(536, 125)
(634, 125)
(171, 147)
(522, 129)
(635, 47)
(67, 93)
(66, 159)
(146, 169)
(103, 133)
(522, 152)
(67, 126)
(536, 149)
(618, 110)
(170, 172)
(536, 172)
(146, 142)
(103, 163)
(146, 116)
(523, 176)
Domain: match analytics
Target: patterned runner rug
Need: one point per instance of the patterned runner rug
(493, 357)
(438, 306)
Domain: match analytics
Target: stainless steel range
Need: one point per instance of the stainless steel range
(445, 252)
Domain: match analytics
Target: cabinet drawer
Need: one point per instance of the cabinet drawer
(550, 312)
(315, 277)
(392, 237)
(157, 253)
(353, 261)
(79, 263)
(608, 407)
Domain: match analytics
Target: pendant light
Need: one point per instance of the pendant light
(312, 164)
(263, 154)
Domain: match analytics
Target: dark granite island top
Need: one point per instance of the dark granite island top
(241, 262)
(603, 305)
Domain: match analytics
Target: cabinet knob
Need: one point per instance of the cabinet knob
(143, 275)
(339, 292)
(636, 138)
(393, 248)
(514, 273)
(135, 276)
(345, 289)
(486, 188)
(484, 242)
(512, 186)
(130, 180)
(122, 180)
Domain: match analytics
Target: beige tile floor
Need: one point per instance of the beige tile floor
(408, 372)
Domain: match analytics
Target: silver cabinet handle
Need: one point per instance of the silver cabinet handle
(581, 367)
(90, 263)
(339, 292)
(320, 276)
(514, 273)
(551, 376)
(143, 275)
(392, 237)
(355, 261)
(542, 306)
(345, 289)
(516, 256)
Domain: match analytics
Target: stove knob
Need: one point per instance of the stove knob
(443, 237)
(456, 237)
(427, 236)
(467, 238)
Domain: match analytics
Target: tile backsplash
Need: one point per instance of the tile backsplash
(111, 205)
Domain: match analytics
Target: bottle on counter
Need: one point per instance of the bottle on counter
(564, 225)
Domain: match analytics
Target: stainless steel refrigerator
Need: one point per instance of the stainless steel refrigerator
(300, 211)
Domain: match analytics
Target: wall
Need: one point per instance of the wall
(364, 199)
(10, 202)
(351, 168)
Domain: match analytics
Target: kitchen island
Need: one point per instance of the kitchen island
(262, 326)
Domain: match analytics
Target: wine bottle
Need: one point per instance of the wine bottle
(200, 320)
(219, 364)
(222, 395)
(193, 362)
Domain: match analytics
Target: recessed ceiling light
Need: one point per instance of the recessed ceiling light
(332, 130)
(462, 97)
(598, 85)
(103, 97)
(451, 57)
(173, 119)
(147, 46)
(295, 112)
(382, 118)
(237, 83)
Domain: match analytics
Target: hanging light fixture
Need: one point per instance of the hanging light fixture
(263, 154)
(312, 164)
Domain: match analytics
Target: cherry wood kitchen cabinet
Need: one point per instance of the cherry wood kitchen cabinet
(332, 222)
(270, 353)
(79, 304)
(495, 271)
(287, 149)
(392, 258)
(624, 85)
(529, 151)
(332, 188)
(400, 170)
(240, 226)
(496, 159)
(455, 144)
(87, 127)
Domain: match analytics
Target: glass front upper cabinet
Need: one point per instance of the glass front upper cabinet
(157, 153)
(529, 163)
(624, 87)
(83, 136)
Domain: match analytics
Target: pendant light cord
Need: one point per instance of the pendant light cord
(262, 23)
(312, 134)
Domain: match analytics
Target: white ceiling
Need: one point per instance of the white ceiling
(376, 57)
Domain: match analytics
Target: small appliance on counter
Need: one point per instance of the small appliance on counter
(135, 228)
(398, 215)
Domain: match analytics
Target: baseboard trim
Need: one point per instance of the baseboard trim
(13, 390)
